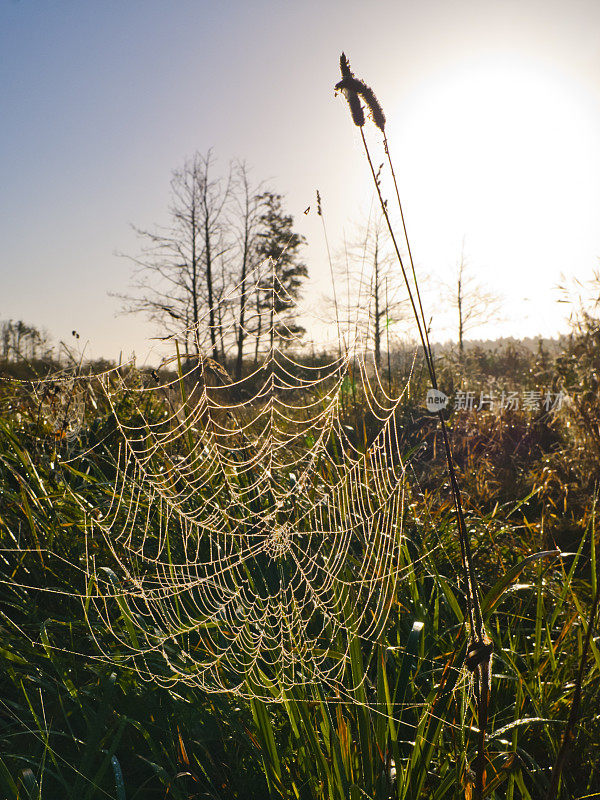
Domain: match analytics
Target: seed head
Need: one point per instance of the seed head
(345, 67)
(375, 108)
(356, 109)
(354, 89)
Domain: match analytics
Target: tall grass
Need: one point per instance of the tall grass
(410, 728)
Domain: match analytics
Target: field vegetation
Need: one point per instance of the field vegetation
(482, 678)
(75, 725)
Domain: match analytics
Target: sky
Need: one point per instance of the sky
(493, 111)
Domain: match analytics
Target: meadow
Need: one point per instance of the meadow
(302, 584)
(77, 722)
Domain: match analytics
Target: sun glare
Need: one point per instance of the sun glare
(502, 153)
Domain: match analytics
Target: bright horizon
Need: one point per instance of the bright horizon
(493, 119)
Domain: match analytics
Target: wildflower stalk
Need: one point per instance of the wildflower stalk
(479, 649)
(335, 302)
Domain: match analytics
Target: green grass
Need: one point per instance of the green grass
(71, 726)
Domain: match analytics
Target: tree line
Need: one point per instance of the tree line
(225, 272)
(21, 341)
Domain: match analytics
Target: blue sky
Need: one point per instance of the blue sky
(493, 107)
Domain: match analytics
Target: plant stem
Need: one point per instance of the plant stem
(569, 734)
(479, 644)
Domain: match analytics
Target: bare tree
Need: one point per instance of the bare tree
(176, 281)
(249, 204)
(473, 303)
(375, 293)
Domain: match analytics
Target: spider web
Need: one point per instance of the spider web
(254, 533)
(253, 539)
